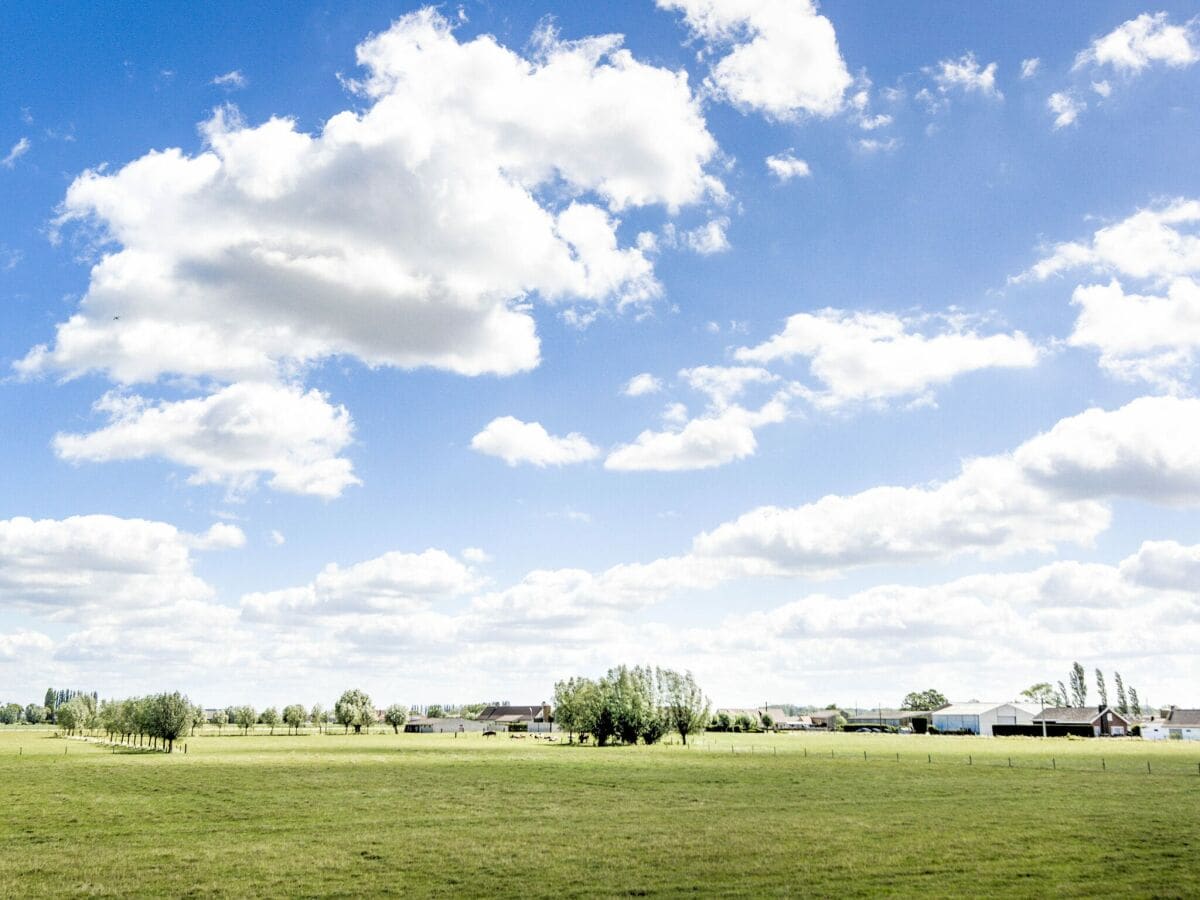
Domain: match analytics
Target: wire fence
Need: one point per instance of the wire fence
(1116, 764)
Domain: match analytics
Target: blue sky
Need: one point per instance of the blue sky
(828, 352)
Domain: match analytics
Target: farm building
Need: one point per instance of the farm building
(978, 718)
(825, 718)
(425, 725)
(1100, 719)
(918, 720)
(526, 718)
(1177, 725)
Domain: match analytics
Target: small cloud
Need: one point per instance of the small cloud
(9, 258)
(706, 239)
(277, 538)
(642, 384)
(966, 73)
(785, 167)
(1103, 88)
(675, 414)
(476, 555)
(873, 145)
(19, 149)
(1066, 108)
(231, 81)
(518, 442)
(1029, 67)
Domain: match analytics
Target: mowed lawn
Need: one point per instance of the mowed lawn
(738, 814)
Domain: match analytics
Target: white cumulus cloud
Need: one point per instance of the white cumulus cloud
(1136, 44)
(966, 74)
(408, 233)
(785, 167)
(867, 357)
(518, 442)
(1066, 108)
(230, 437)
(642, 384)
(96, 564)
(780, 57)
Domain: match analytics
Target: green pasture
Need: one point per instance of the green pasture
(733, 815)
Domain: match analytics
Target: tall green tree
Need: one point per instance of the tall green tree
(172, 716)
(354, 709)
(245, 717)
(10, 713)
(270, 718)
(51, 703)
(573, 705)
(1101, 687)
(1078, 681)
(685, 705)
(1041, 693)
(395, 715)
(1122, 699)
(924, 700)
(198, 717)
(318, 717)
(220, 719)
(1135, 705)
(293, 717)
(35, 714)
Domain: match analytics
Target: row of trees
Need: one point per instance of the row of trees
(629, 704)
(353, 709)
(46, 711)
(1075, 692)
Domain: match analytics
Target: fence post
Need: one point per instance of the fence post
(970, 760)
(930, 758)
(1010, 762)
(1053, 764)
(1147, 767)
(864, 756)
(1103, 767)
(897, 757)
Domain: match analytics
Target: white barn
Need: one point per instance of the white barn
(978, 718)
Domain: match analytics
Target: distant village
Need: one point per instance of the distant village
(984, 719)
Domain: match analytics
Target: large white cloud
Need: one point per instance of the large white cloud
(1136, 44)
(988, 509)
(96, 563)
(1151, 336)
(1156, 243)
(518, 442)
(408, 234)
(1148, 449)
(865, 357)
(393, 583)
(229, 437)
(1051, 490)
(780, 58)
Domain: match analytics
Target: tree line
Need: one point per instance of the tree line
(1075, 692)
(629, 704)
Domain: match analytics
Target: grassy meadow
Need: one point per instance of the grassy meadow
(737, 814)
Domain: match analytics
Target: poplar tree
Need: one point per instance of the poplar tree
(1122, 700)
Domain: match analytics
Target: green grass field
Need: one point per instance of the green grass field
(737, 814)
